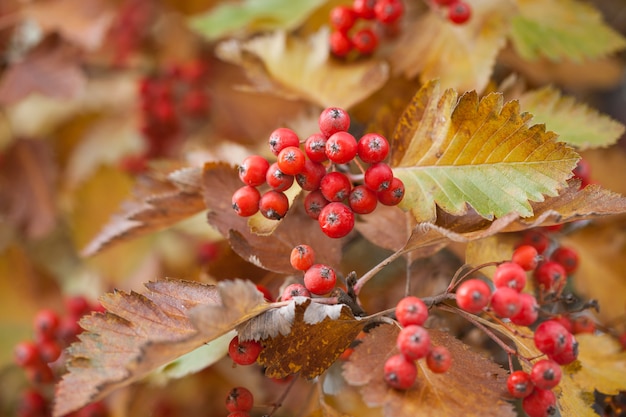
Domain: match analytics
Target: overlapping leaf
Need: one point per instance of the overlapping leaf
(576, 123)
(483, 153)
(562, 30)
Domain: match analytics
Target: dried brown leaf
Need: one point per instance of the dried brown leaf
(388, 227)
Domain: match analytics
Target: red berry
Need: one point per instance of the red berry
(378, 177)
(569, 353)
(246, 201)
(411, 310)
(320, 279)
(315, 147)
(340, 44)
(622, 340)
(362, 200)
(32, 404)
(565, 321)
(551, 275)
(282, 138)
(239, 399)
(365, 9)
(439, 359)
(46, 324)
(294, 290)
(336, 220)
(506, 302)
(342, 18)
(277, 179)
(333, 120)
(400, 373)
(290, 160)
(26, 354)
(302, 257)
(69, 329)
(267, 295)
(373, 148)
(388, 11)
(274, 205)
(473, 295)
(546, 374)
(583, 324)
(540, 403)
(335, 186)
(365, 41)
(341, 147)
(511, 275)
(311, 175)
(459, 12)
(77, 306)
(536, 239)
(551, 337)
(526, 256)
(244, 352)
(567, 257)
(39, 374)
(314, 202)
(253, 169)
(392, 195)
(529, 312)
(49, 351)
(583, 173)
(196, 103)
(519, 384)
(414, 342)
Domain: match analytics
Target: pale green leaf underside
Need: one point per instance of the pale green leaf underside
(576, 123)
(228, 19)
(562, 30)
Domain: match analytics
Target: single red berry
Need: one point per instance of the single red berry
(246, 201)
(378, 177)
(40, 374)
(26, 354)
(314, 202)
(336, 220)
(244, 352)
(365, 9)
(583, 324)
(207, 252)
(239, 399)
(413, 342)
(311, 175)
(290, 160)
(315, 147)
(373, 148)
(546, 374)
(302, 257)
(459, 12)
(583, 173)
(194, 71)
(529, 312)
(439, 359)
(46, 324)
(569, 353)
(335, 186)
(540, 403)
(340, 44)
(277, 179)
(320, 279)
(32, 404)
(400, 372)
(69, 329)
(392, 195)
(77, 305)
(622, 340)
(253, 169)
(333, 120)
(567, 257)
(506, 302)
(282, 138)
(526, 256)
(550, 275)
(473, 295)
(388, 11)
(49, 350)
(341, 147)
(274, 205)
(362, 200)
(411, 310)
(365, 41)
(342, 18)
(536, 239)
(267, 295)
(294, 290)
(520, 384)
(511, 275)
(551, 337)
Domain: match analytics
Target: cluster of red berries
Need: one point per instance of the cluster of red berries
(458, 11)
(322, 170)
(130, 28)
(170, 101)
(40, 358)
(355, 28)
(239, 402)
(413, 343)
(319, 279)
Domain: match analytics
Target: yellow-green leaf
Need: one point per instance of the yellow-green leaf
(562, 30)
(450, 153)
(575, 122)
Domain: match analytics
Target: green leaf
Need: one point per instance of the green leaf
(253, 15)
(449, 153)
(576, 123)
(562, 29)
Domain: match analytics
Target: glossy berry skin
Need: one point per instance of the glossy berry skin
(274, 205)
(315, 147)
(239, 399)
(413, 342)
(400, 373)
(567, 257)
(529, 312)
(373, 148)
(340, 44)
(506, 302)
(536, 239)
(519, 384)
(526, 256)
(546, 374)
(365, 41)
(551, 337)
(365, 9)
(550, 275)
(341, 147)
(291, 160)
(46, 323)
(511, 275)
(253, 169)
(393, 195)
(583, 324)
(277, 179)
(302, 257)
(335, 186)
(333, 120)
(540, 403)
(362, 200)
(294, 290)
(388, 11)
(244, 352)
(473, 295)
(336, 220)
(378, 177)
(569, 353)
(411, 311)
(320, 279)
(342, 18)
(282, 138)
(439, 359)
(310, 178)
(459, 12)
(245, 201)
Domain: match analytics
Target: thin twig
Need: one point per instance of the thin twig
(457, 278)
(282, 397)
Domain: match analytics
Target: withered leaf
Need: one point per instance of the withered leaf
(473, 386)
(160, 200)
(316, 340)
